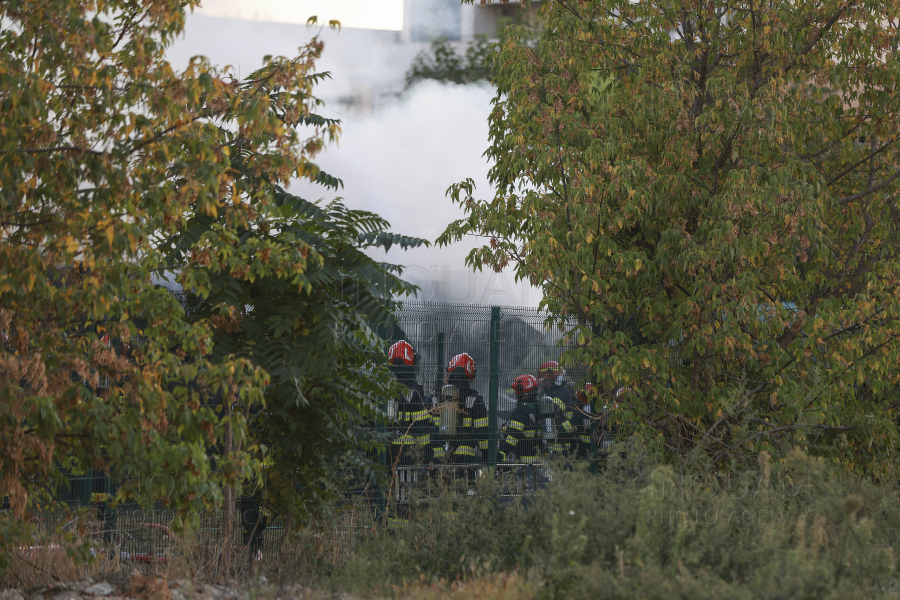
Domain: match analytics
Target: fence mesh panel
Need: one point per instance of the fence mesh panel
(442, 452)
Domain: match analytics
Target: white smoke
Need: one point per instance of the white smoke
(397, 155)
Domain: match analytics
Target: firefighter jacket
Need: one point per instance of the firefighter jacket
(412, 429)
(565, 430)
(470, 438)
(472, 431)
(522, 438)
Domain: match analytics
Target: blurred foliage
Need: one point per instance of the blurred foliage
(443, 63)
(724, 178)
(792, 527)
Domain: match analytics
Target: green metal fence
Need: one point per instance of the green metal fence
(504, 342)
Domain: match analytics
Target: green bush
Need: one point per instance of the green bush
(793, 527)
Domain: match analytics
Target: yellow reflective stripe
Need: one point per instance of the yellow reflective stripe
(483, 422)
(439, 452)
(512, 441)
(585, 438)
(465, 450)
(530, 433)
(404, 440)
(467, 422)
(482, 444)
(528, 458)
(415, 416)
(424, 440)
(568, 427)
(517, 425)
(436, 419)
(560, 404)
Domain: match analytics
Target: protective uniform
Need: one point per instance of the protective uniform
(521, 441)
(553, 385)
(411, 430)
(469, 441)
(460, 415)
(410, 418)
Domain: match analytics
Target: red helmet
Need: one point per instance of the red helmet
(524, 384)
(549, 370)
(402, 353)
(466, 362)
(584, 395)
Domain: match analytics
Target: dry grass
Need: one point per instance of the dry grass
(493, 587)
(293, 555)
(50, 561)
(290, 556)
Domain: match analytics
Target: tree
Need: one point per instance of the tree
(107, 152)
(723, 176)
(312, 337)
(444, 64)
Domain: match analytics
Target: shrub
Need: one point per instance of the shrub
(793, 527)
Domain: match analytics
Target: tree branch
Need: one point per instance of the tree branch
(871, 190)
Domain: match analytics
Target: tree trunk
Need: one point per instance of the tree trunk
(227, 497)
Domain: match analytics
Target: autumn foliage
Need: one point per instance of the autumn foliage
(710, 190)
(119, 173)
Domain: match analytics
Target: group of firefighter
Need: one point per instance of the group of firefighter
(451, 425)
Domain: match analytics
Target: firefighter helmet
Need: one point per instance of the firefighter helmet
(402, 353)
(524, 384)
(465, 362)
(549, 370)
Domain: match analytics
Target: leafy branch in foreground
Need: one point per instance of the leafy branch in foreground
(109, 157)
(726, 176)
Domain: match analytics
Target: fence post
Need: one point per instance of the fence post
(380, 499)
(441, 365)
(494, 386)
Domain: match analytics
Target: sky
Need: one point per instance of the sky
(363, 14)
(397, 159)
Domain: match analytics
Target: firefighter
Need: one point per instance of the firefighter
(522, 439)
(471, 437)
(410, 442)
(552, 384)
(410, 416)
